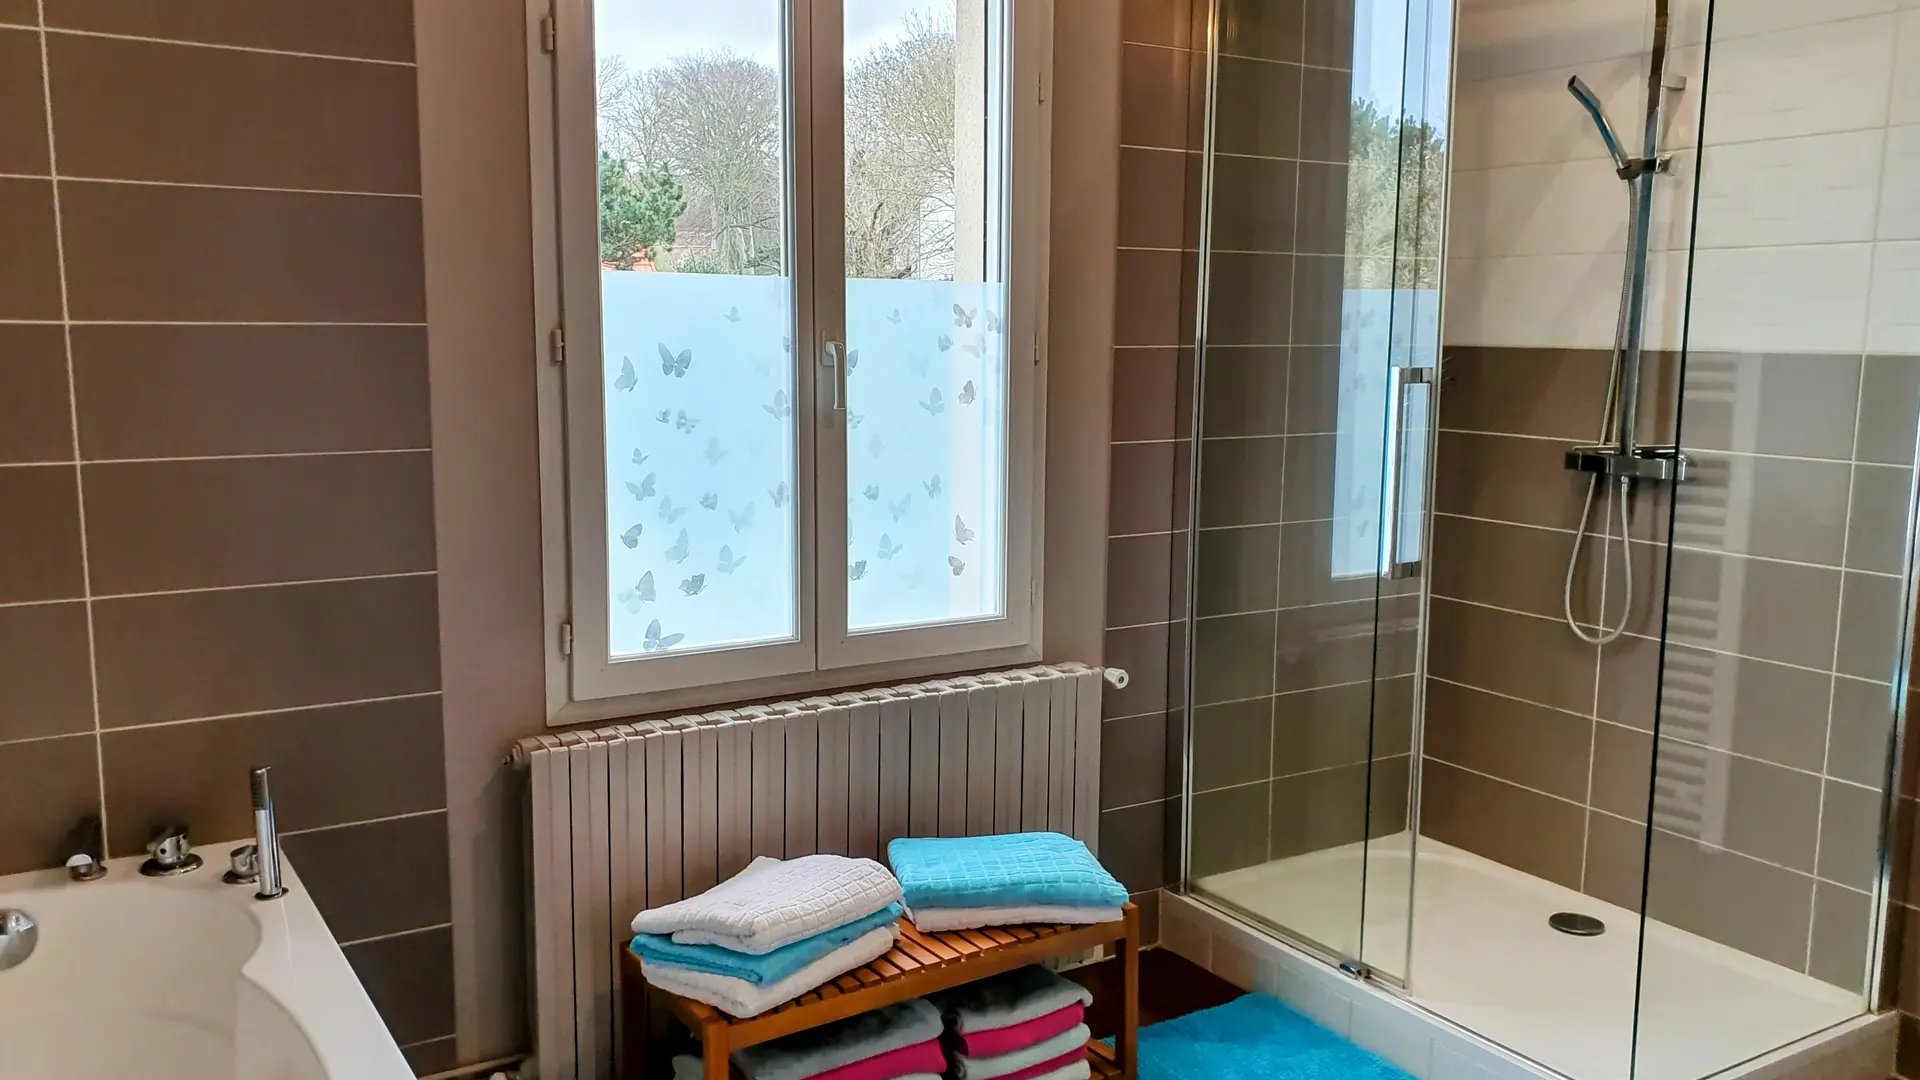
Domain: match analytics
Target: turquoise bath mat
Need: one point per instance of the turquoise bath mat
(1254, 1038)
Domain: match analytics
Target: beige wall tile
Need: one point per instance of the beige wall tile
(40, 534)
(35, 422)
(193, 391)
(331, 765)
(139, 252)
(23, 123)
(247, 521)
(46, 670)
(376, 29)
(140, 110)
(181, 655)
(46, 787)
(30, 259)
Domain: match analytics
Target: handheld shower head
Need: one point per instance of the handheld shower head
(1585, 96)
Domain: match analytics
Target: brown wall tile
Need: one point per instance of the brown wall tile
(1759, 909)
(1319, 283)
(1324, 728)
(1135, 761)
(1323, 208)
(1229, 829)
(1233, 658)
(1147, 298)
(1267, 29)
(1547, 392)
(1258, 107)
(1142, 652)
(331, 765)
(1860, 732)
(1629, 682)
(1850, 826)
(1776, 508)
(1516, 655)
(1154, 105)
(30, 259)
(1157, 22)
(23, 123)
(1141, 480)
(433, 1056)
(1139, 580)
(46, 678)
(1841, 918)
(1306, 568)
(1326, 114)
(1309, 481)
(1877, 518)
(1622, 770)
(35, 420)
(182, 655)
(1529, 745)
(1253, 204)
(1133, 845)
(410, 979)
(1147, 395)
(1231, 743)
(1159, 198)
(1239, 481)
(1331, 645)
(1616, 860)
(1870, 626)
(1508, 566)
(1319, 810)
(190, 391)
(1313, 389)
(1248, 299)
(140, 110)
(245, 521)
(1246, 391)
(139, 252)
(40, 534)
(1235, 570)
(380, 878)
(1329, 33)
(20, 12)
(1768, 711)
(1770, 610)
(1792, 403)
(46, 788)
(1889, 401)
(1506, 479)
(376, 29)
(1527, 831)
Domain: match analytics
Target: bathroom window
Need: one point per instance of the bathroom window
(792, 422)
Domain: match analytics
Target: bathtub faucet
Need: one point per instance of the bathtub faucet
(266, 836)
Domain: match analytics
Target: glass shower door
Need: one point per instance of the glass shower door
(1318, 318)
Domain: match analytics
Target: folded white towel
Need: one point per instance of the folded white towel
(986, 1068)
(773, 902)
(738, 997)
(686, 1067)
(934, 920)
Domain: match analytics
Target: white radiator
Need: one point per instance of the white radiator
(635, 816)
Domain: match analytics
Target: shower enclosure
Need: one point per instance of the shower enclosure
(1601, 768)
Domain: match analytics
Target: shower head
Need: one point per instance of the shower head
(1588, 101)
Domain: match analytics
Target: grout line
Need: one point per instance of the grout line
(1137, 805)
(219, 45)
(236, 187)
(396, 934)
(221, 457)
(219, 322)
(225, 588)
(73, 421)
(1266, 157)
(25, 739)
(364, 821)
(277, 711)
(1143, 625)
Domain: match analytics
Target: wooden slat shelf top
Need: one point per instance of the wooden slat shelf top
(919, 964)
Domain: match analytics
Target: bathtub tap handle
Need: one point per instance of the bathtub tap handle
(170, 853)
(87, 863)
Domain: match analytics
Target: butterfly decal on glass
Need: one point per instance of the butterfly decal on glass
(967, 395)
(781, 407)
(710, 501)
(853, 360)
(856, 571)
(714, 452)
(944, 342)
(680, 549)
(733, 314)
(693, 585)
(932, 486)
(658, 642)
(641, 593)
(971, 348)
(894, 318)
(899, 509)
(665, 416)
(962, 317)
(854, 419)
(786, 342)
(954, 564)
(670, 513)
(640, 458)
(631, 537)
(763, 368)
(643, 490)
(683, 422)
(628, 378)
(994, 325)
(960, 531)
(742, 518)
(935, 405)
(876, 446)
(918, 364)
(888, 549)
(675, 366)
(728, 564)
(778, 493)
(872, 492)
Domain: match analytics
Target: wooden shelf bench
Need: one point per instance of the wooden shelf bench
(919, 964)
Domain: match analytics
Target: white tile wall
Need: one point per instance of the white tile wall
(1530, 119)
(1812, 189)
(1905, 108)
(1810, 298)
(1894, 325)
(1823, 78)
(1744, 18)
(1511, 37)
(1900, 185)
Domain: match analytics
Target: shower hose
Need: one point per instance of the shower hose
(1609, 416)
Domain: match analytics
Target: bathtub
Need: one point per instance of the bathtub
(183, 978)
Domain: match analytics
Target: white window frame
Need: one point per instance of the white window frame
(582, 683)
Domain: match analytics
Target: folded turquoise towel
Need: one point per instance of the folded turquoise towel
(1011, 870)
(766, 967)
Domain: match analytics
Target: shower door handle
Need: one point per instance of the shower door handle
(1394, 567)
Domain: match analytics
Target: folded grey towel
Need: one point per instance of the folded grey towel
(1012, 998)
(843, 1042)
(987, 1068)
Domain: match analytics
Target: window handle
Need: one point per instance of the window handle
(834, 355)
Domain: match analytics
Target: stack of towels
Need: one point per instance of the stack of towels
(770, 933)
(963, 883)
(899, 1042)
(1026, 1024)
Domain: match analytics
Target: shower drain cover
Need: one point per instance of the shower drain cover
(1572, 922)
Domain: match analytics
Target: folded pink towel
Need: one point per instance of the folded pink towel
(1077, 1056)
(921, 1057)
(1005, 1040)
